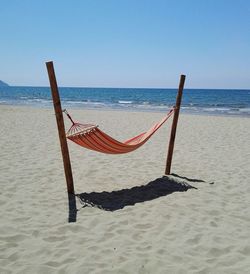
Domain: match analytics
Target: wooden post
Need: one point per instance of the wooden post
(174, 125)
(61, 128)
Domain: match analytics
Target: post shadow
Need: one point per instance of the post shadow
(72, 208)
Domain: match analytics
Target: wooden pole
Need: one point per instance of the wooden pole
(174, 125)
(60, 127)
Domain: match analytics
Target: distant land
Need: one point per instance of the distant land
(2, 84)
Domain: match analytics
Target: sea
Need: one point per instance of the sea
(233, 102)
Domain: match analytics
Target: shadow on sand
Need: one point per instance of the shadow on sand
(72, 208)
(116, 200)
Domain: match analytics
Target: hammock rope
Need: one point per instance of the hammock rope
(91, 137)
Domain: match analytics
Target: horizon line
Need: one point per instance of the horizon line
(108, 87)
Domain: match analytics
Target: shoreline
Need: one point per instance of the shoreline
(129, 110)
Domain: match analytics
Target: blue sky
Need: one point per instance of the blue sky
(126, 43)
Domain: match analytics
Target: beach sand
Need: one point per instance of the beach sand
(203, 230)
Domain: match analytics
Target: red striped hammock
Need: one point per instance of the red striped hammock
(91, 137)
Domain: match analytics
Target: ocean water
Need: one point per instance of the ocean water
(197, 101)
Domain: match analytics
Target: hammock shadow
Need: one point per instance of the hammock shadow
(191, 179)
(115, 200)
(188, 179)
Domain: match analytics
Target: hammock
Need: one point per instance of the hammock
(91, 137)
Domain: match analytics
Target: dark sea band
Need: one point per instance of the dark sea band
(197, 101)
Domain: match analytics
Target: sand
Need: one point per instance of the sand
(203, 230)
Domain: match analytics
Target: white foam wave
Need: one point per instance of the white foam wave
(125, 102)
(83, 103)
(245, 110)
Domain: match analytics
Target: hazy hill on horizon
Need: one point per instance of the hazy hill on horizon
(3, 84)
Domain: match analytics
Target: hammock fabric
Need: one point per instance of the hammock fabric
(91, 137)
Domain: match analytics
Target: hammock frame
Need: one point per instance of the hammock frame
(64, 144)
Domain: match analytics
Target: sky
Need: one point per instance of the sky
(126, 43)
